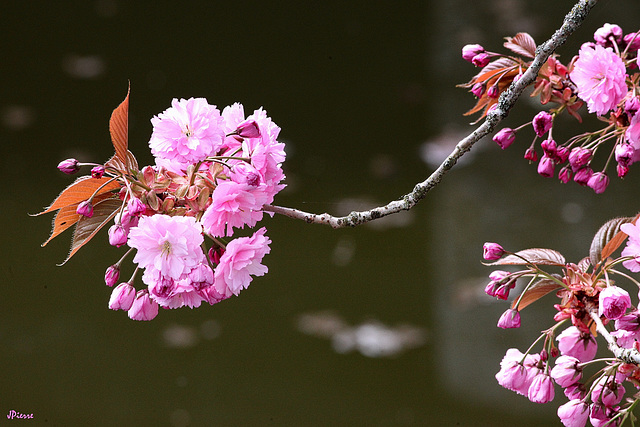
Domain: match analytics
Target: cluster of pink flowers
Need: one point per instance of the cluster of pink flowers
(604, 75)
(214, 173)
(588, 297)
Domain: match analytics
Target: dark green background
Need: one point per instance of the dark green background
(357, 88)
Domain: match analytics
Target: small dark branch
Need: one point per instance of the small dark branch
(507, 100)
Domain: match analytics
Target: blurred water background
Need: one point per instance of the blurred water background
(381, 325)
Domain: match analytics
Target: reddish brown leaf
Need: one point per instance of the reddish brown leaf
(79, 191)
(86, 228)
(522, 44)
(535, 292)
(615, 242)
(119, 128)
(67, 216)
(533, 256)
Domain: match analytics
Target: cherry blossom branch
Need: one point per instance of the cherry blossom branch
(627, 355)
(572, 21)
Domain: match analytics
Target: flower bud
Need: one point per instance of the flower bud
(565, 174)
(85, 209)
(632, 105)
(112, 275)
(248, 129)
(143, 308)
(531, 155)
(481, 59)
(549, 147)
(69, 166)
(122, 297)
(622, 171)
(598, 182)
(509, 319)
(97, 171)
(608, 33)
(492, 251)
(471, 50)
(546, 167)
(135, 206)
(505, 137)
(562, 153)
(117, 235)
(478, 89)
(624, 154)
(493, 92)
(582, 175)
(579, 157)
(542, 123)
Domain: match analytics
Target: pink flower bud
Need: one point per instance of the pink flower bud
(215, 255)
(481, 59)
(541, 389)
(549, 147)
(608, 33)
(505, 137)
(581, 345)
(112, 275)
(248, 129)
(135, 206)
(531, 155)
(562, 153)
(566, 371)
(542, 123)
(632, 105)
(471, 50)
(622, 171)
(117, 235)
(613, 302)
(624, 154)
(478, 89)
(509, 319)
(565, 174)
(493, 92)
(143, 308)
(632, 40)
(574, 413)
(85, 209)
(607, 392)
(582, 175)
(122, 297)
(546, 167)
(69, 166)
(579, 157)
(97, 171)
(598, 182)
(492, 251)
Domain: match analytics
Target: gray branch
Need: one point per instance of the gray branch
(572, 21)
(627, 355)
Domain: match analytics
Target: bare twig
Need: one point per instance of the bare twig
(572, 21)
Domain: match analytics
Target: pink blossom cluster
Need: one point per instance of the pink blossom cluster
(587, 296)
(214, 173)
(604, 76)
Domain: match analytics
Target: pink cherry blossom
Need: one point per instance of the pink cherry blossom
(143, 308)
(599, 75)
(581, 345)
(509, 319)
(241, 260)
(170, 293)
(613, 302)
(607, 392)
(574, 413)
(541, 389)
(234, 205)
(633, 247)
(188, 132)
(170, 244)
(515, 375)
(122, 297)
(566, 371)
(492, 251)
